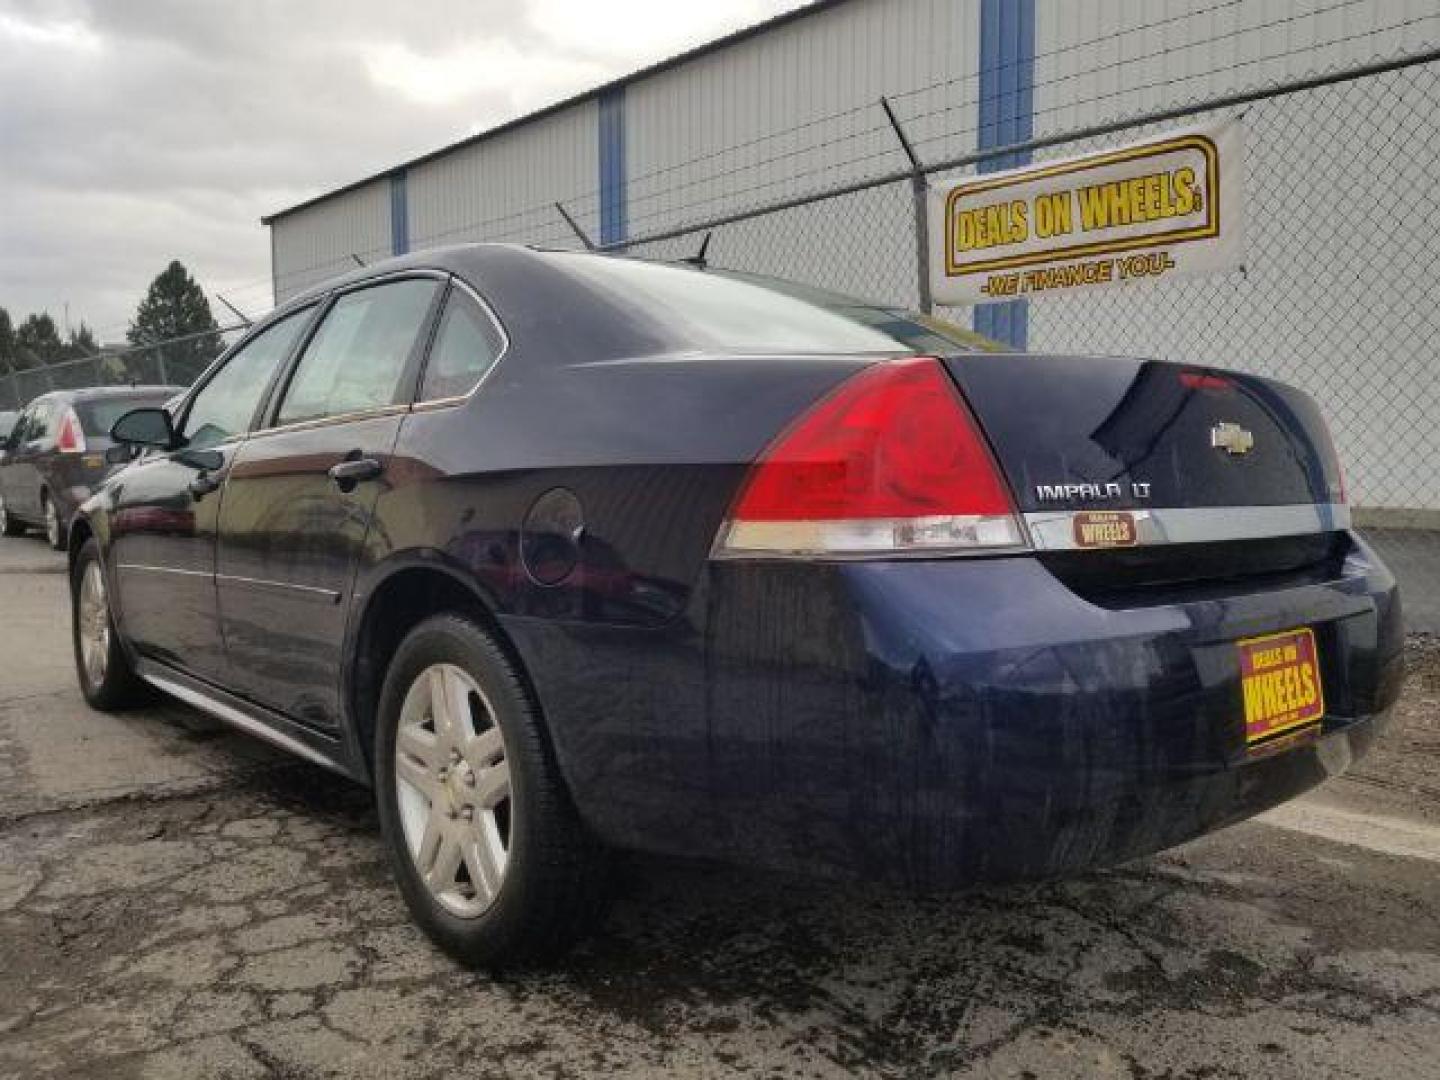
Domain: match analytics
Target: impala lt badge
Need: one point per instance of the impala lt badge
(1232, 438)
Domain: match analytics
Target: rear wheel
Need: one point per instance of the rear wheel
(106, 677)
(9, 524)
(489, 853)
(54, 530)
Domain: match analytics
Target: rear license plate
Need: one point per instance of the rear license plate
(1280, 681)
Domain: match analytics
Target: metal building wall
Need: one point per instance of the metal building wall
(797, 109)
(317, 243)
(1355, 332)
(503, 188)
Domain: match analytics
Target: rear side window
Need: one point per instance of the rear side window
(466, 347)
(42, 422)
(749, 313)
(359, 357)
(226, 404)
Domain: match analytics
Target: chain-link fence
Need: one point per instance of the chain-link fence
(1337, 293)
(174, 362)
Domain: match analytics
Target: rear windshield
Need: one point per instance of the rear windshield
(97, 417)
(748, 313)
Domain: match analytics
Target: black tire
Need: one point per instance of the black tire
(553, 883)
(54, 533)
(10, 525)
(117, 687)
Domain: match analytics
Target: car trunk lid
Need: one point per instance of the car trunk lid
(1179, 473)
(1107, 433)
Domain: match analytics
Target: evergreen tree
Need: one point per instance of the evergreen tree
(81, 343)
(174, 307)
(7, 343)
(37, 343)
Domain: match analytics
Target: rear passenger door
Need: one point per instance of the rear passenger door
(299, 496)
(9, 464)
(23, 484)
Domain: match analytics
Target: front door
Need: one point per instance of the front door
(300, 495)
(165, 509)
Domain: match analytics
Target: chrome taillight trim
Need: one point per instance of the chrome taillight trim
(872, 538)
(1054, 530)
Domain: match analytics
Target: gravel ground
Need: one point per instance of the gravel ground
(179, 901)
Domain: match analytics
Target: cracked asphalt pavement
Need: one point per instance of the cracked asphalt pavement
(177, 900)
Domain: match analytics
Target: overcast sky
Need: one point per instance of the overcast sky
(139, 131)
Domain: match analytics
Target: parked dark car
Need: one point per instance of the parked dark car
(565, 552)
(53, 457)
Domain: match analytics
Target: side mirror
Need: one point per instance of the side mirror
(146, 427)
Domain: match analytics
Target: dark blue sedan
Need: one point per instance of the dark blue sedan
(564, 553)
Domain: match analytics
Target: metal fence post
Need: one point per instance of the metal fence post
(574, 226)
(921, 193)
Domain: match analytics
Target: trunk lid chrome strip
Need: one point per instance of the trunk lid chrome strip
(1054, 530)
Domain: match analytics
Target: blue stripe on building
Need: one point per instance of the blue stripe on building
(399, 214)
(1007, 115)
(613, 201)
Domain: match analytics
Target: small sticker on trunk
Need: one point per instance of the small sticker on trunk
(1104, 529)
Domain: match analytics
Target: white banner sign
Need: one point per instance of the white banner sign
(1144, 212)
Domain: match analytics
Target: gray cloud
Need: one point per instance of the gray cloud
(132, 133)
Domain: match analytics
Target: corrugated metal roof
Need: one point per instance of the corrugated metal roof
(587, 95)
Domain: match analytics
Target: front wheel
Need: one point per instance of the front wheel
(106, 678)
(486, 846)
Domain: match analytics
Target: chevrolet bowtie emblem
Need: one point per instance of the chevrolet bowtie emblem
(1232, 438)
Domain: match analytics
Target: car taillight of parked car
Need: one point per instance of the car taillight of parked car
(71, 439)
(890, 462)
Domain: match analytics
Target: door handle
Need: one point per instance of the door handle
(352, 471)
(204, 484)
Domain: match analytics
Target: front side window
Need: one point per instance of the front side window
(359, 357)
(226, 404)
(466, 347)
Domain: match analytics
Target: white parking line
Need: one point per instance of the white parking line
(1387, 835)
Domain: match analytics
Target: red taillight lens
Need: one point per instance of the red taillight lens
(1205, 380)
(71, 439)
(891, 461)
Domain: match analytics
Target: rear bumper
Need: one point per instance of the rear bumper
(950, 721)
(70, 482)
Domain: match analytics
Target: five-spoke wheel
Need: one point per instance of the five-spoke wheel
(92, 623)
(452, 781)
(106, 677)
(489, 853)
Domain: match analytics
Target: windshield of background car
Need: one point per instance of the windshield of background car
(749, 313)
(98, 415)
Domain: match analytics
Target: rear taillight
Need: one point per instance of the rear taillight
(71, 439)
(890, 462)
(1339, 493)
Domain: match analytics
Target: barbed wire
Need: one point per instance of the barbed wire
(531, 221)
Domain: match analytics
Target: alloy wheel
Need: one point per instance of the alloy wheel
(4, 516)
(52, 523)
(93, 617)
(452, 785)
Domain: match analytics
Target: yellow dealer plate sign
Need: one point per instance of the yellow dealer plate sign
(1137, 213)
